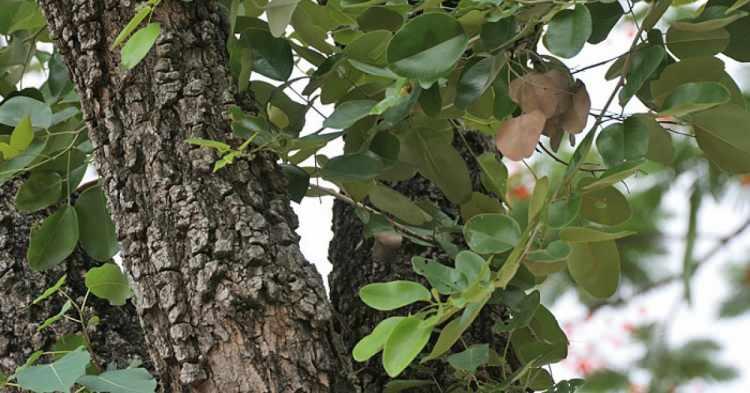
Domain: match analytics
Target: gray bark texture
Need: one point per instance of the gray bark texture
(118, 338)
(226, 300)
(358, 261)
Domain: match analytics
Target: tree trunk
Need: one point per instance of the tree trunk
(357, 262)
(227, 301)
(118, 338)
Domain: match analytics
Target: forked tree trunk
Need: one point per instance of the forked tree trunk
(118, 338)
(358, 261)
(227, 301)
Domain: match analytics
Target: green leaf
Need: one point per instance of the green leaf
(595, 267)
(494, 175)
(711, 18)
(684, 43)
(441, 277)
(393, 202)
(98, 234)
(692, 69)
(575, 235)
(139, 44)
(279, 13)
(542, 342)
(41, 190)
(470, 359)
(556, 251)
(347, 113)
(53, 240)
(272, 56)
(14, 110)
(538, 197)
(388, 296)
(108, 282)
(353, 167)
(427, 47)
(373, 343)
(568, 31)
(723, 136)
(606, 206)
(453, 330)
(492, 233)
(562, 212)
(10, 168)
(139, 17)
(621, 143)
(495, 34)
(21, 137)
(477, 78)
(59, 376)
(694, 97)
(51, 290)
(298, 181)
(432, 152)
(643, 64)
(659, 141)
(131, 380)
(612, 176)
(406, 341)
(522, 309)
(604, 17)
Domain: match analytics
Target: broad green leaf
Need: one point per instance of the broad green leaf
(298, 181)
(472, 267)
(373, 343)
(494, 175)
(562, 212)
(395, 203)
(621, 143)
(59, 376)
(711, 18)
(568, 31)
(431, 101)
(655, 13)
(453, 330)
(659, 141)
(470, 359)
(542, 342)
(380, 18)
(15, 109)
(272, 56)
(427, 47)
(55, 239)
(538, 197)
(139, 17)
(388, 296)
(12, 167)
(723, 136)
(443, 278)
(694, 97)
(279, 13)
(556, 251)
(686, 44)
(480, 204)
(492, 233)
(606, 206)
(432, 152)
(20, 139)
(477, 78)
(406, 341)
(108, 282)
(738, 48)
(51, 290)
(643, 64)
(692, 69)
(612, 176)
(604, 17)
(595, 267)
(369, 48)
(575, 235)
(41, 190)
(347, 113)
(66, 344)
(353, 167)
(522, 309)
(139, 44)
(98, 234)
(131, 380)
(495, 34)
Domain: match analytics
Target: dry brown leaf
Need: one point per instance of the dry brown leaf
(554, 131)
(547, 92)
(517, 137)
(574, 120)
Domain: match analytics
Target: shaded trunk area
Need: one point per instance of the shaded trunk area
(358, 261)
(117, 339)
(227, 301)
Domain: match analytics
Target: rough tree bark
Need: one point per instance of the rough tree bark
(227, 301)
(355, 264)
(118, 339)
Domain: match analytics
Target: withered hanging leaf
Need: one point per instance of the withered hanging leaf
(546, 92)
(517, 137)
(574, 120)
